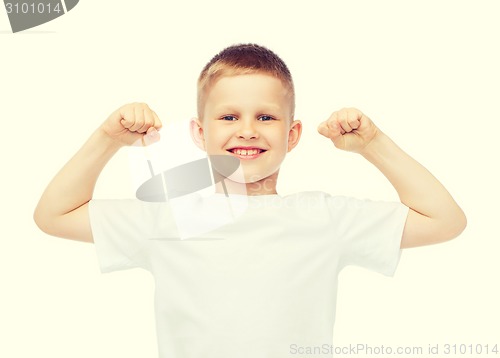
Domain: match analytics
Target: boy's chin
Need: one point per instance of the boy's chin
(240, 178)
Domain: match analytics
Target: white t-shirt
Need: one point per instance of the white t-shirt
(252, 285)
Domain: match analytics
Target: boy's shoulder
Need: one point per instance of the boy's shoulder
(339, 206)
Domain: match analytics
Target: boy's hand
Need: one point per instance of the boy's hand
(349, 129)
(133, 124)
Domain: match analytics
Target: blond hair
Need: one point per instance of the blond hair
(240, 60)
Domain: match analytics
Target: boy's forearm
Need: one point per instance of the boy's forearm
(74, 184)
(416, 186)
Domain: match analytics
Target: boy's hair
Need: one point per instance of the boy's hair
(243, 59)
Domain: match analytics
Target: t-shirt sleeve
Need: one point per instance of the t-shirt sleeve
(369, 232)
(120, 229)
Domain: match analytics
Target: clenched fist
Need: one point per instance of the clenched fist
(349, 129)
(133, 124)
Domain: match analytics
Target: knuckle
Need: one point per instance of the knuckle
(138, 105)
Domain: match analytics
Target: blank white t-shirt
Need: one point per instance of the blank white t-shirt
(256, 275)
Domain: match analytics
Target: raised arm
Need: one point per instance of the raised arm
(63, 208)
(434, 215)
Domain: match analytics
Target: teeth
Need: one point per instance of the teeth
(246, 151)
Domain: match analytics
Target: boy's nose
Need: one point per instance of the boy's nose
(247, 129)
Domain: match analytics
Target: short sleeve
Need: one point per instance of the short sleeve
(120, 229)
(369, 232)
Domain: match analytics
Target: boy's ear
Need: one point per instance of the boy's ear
(196, 130)
(294, 134)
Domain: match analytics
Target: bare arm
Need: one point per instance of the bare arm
(63, 208)
(434, 215)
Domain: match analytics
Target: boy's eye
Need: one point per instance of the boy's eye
(229, 118)
(266, 118)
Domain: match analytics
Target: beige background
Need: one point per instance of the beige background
(426, 72)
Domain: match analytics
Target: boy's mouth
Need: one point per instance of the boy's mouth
(246, 152)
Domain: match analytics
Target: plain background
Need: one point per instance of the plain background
(426, 72)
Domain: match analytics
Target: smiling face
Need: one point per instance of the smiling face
(249, 117)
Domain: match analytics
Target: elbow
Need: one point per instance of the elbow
(37, 218)
(462, 223)
(421, 230)
(456, 226)
(42, 221)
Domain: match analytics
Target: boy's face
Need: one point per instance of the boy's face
(248, 117)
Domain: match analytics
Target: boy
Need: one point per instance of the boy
(264, 283)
